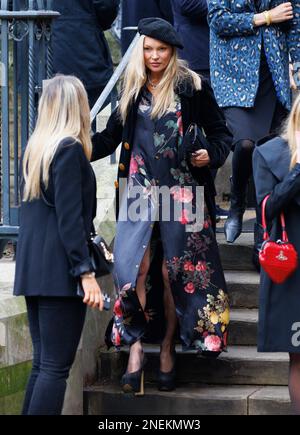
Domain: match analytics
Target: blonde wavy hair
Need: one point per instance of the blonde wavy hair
(63, 112)
(135, 77)
(292, 124)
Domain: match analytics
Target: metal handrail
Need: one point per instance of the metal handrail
(109, 88)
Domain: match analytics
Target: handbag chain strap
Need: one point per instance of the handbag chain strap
(264, 222)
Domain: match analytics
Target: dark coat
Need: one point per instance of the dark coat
(134, 10)
(78, 41)
(190, 20)
(196, 106)
(279, 305)
(52, 246)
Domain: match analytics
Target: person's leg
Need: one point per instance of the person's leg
(241, 172)
(294, 381)
(167, 346)
(133, 378)
(136, 349)
(33, 319)
(61, 322)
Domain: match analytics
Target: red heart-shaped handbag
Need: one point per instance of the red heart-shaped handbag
(278, 259)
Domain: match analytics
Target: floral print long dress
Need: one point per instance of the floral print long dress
(192, 258)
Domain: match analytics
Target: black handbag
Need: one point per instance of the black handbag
(103, 263)
(101, 256)
(193, 141)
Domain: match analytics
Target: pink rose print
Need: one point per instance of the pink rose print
(206, 224)
(187, 265)
(184, 218)
(213, 343)
(139, 160)
(134, 168)
(181, 194)
(118, 309)
(175, 192)
(201, 266)
(189, 288)
(186, 195)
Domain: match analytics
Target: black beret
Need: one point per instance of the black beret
(160, 29)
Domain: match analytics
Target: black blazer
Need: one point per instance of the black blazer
(52, 246)
(196, 106)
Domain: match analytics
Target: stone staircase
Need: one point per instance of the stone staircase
(241, 381)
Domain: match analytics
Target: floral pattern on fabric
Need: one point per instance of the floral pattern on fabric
(192, 258)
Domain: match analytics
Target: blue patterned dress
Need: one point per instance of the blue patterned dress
(194, 268)
(249, 66)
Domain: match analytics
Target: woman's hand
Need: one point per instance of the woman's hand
(92, 292)
(200, 158)
(281, 13)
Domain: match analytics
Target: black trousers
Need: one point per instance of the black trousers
(55, 326)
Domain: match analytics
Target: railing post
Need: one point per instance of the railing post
(30, 31)
(31, 68)
(5, 119)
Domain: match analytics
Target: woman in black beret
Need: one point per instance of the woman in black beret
(168, 273)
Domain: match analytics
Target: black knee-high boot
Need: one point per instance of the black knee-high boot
(241, 171)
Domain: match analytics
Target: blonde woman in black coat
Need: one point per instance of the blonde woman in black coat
(277, 172)
(58, 206)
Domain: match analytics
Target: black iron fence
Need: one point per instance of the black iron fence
(26, 60)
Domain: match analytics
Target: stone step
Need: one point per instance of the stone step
(238, 255)
(243, 327)
(242, 288)
(188, 400)
(270, 401)
(15, 341)
(241, 365)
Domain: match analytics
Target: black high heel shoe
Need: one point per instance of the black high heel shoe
(166, 380)
(134, 382)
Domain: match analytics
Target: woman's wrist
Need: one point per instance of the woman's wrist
(268, 18)
(88, 275)
(259, 20)
(262, 19)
